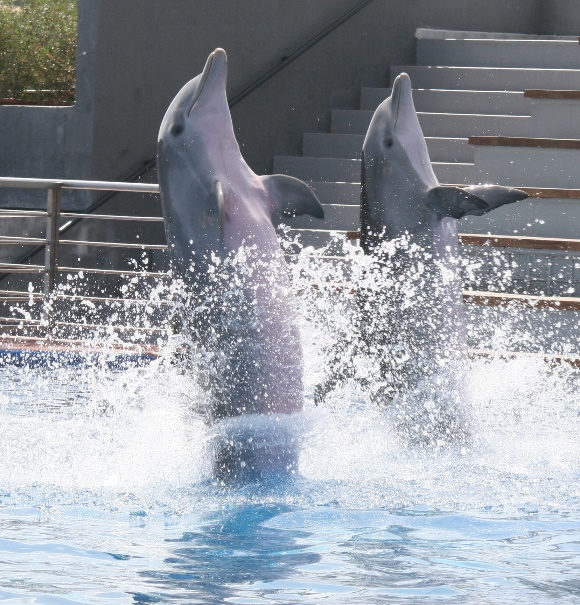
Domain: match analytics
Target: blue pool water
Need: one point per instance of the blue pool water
(106, 497)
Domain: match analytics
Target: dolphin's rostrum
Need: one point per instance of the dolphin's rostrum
(222, 243)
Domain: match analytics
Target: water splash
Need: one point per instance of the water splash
(139, 437)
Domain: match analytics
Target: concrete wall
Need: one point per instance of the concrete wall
(560, 17)
(145, 56)
(53, 142)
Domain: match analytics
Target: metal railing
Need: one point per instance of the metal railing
(150, 164)
(53, 240)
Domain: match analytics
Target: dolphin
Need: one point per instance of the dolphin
(411, 311)
(401, 196)
(409, 226)
(219, 220)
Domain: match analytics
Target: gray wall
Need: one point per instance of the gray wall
(53, 142)
(560, 17)
(145, 56)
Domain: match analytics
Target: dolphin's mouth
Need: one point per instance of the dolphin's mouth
(205, 76)
(401, 88)
(397, 102)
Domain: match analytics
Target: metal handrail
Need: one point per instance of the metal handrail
(54, 230)
(149, 164)
(24, 183)
(298, 53)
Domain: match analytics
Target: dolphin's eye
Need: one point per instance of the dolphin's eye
(176, 129)
(388, 143)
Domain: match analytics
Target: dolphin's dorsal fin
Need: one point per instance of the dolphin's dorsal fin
(475, 200)
(291, 196)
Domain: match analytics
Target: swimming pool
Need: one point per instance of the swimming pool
(106, 497)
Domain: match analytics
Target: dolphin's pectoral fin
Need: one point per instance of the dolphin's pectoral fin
(471, 201)
(454, 202)
(291, 196)
(218, 193)
(495, 196)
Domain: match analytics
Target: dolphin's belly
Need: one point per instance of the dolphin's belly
(249, 333)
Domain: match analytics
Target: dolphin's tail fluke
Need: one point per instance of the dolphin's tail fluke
(475, 200)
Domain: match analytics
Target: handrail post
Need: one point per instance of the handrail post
(53, 205)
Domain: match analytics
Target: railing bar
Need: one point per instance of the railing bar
(34, 322)
(112, 217)
(141, 301)
(7, 213)
(16, 268)
(53, 207)
(10, 270)
(27, 183)
(108, 217)
(8, 239)
(74, 242)
(20, 266)
(113, 272)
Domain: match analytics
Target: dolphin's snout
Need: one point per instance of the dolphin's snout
(219, 55)
(401, 95)
(214, 75)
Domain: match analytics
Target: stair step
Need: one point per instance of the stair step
(542, 54)
(318, 169)
(488, 78)
(461, 34)
(534, 167)
(453, 125)
(546, 217)
(337, 193)
(555, 117)
(533, 272)
(341, 217)
(455, 101)
(344, 170)
(331, 145)
(335, 145)
(521, 329)
(445, 149)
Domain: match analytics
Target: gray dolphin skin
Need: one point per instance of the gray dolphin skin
(401, 195)
(238, 307)
(409, 224)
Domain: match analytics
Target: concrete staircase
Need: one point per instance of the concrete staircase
(457, 103)
(470, 88)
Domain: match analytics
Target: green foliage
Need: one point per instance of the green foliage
(38, 41)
